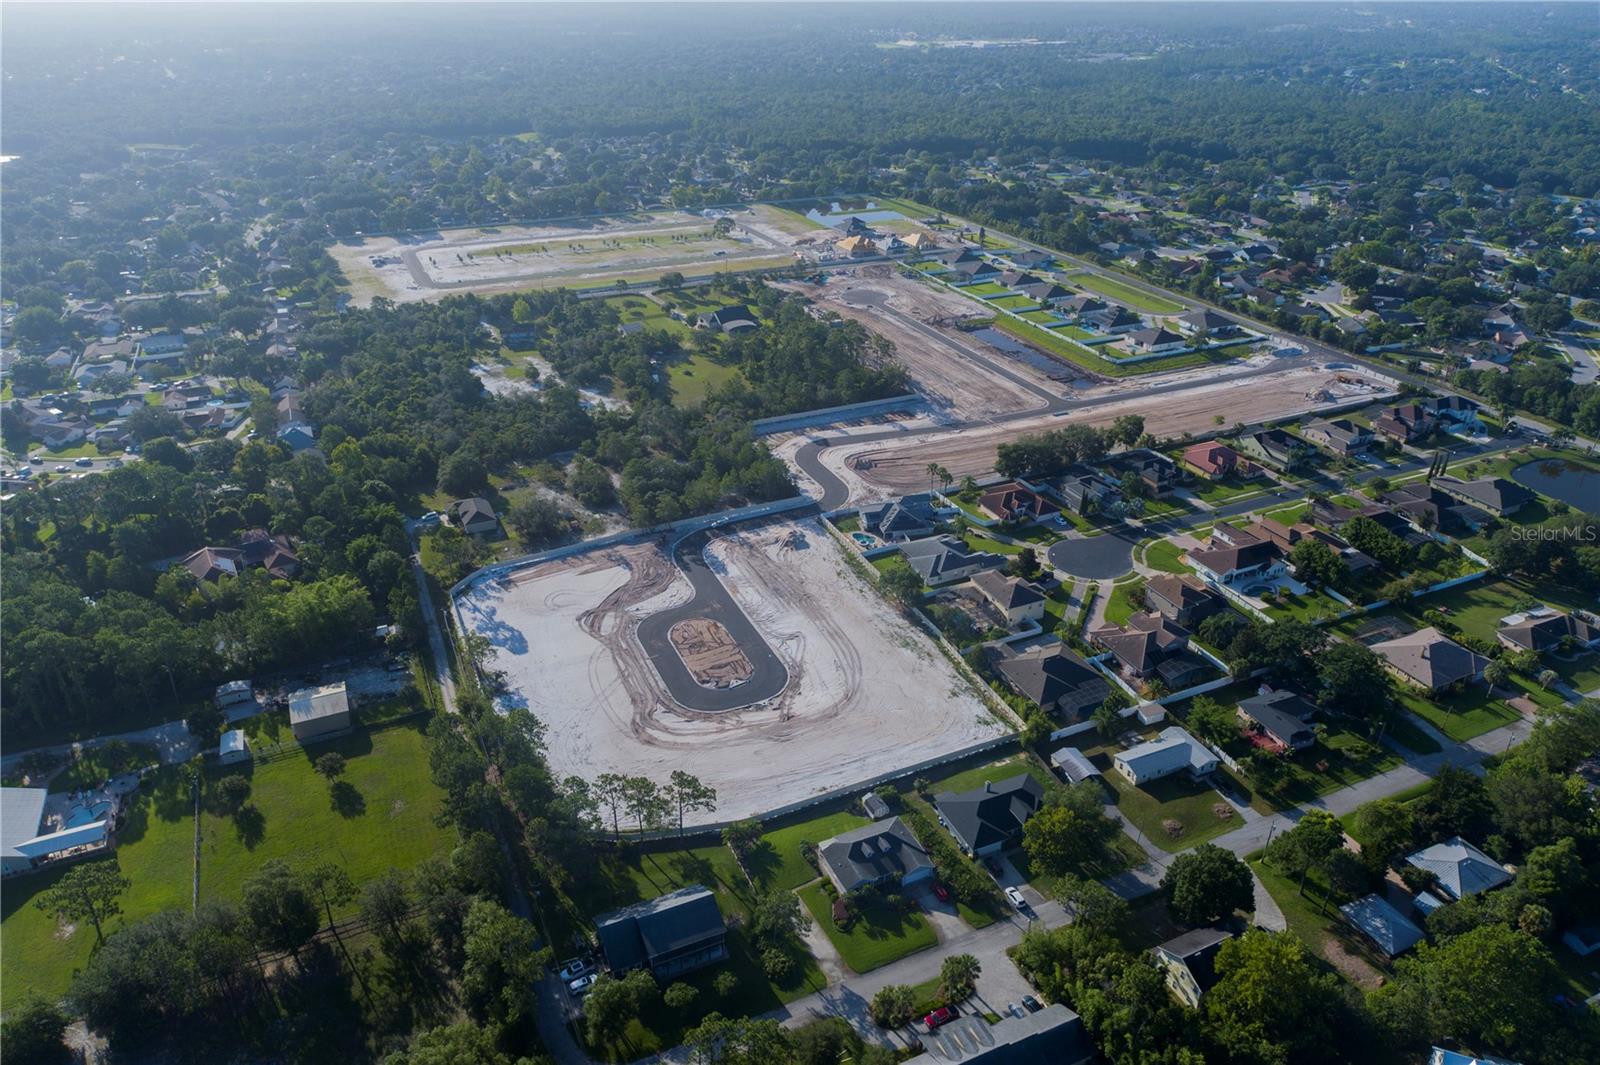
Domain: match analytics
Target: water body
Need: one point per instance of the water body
(1569, 482)
(837, 215)
(1052, 368)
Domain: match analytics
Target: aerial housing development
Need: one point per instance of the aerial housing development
(911, 533)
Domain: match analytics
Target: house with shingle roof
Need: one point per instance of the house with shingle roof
(1545, 629)
(1338, 435)
(1495, 494)
(1430, 659)
(1017, 599)
(1056, 678)
(875, 854)
(1182, 598)
(1388, 929)
(943, 559)
(990, 817)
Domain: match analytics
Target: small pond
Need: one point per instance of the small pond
(1570, 482)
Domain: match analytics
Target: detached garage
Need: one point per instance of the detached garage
(233, 748)
(319, 713)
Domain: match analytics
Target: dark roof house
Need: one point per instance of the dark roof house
(988, 818)
(670, 935)
(874, 854)
(1055, 678)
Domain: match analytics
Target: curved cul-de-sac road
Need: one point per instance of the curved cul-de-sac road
(711, 600)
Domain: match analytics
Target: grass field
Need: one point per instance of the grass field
(1125, 293)
(1314, 919)
(1165, 556)
(881, 934)
(1191, 805)
(692, 379)
(1339, 758)
(649, 313)
(385, 822)
(1122, 605)
(1461, 717)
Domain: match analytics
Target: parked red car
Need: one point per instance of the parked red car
(941, 893)
(939, 1017)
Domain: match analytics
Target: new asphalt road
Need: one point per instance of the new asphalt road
(711, 600)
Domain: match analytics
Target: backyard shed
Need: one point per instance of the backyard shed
(319, 713)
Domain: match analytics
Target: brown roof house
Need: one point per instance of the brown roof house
(1215, 461)
(1430, 659)
(1144, 644)
(1014, 501)
(1182, 598)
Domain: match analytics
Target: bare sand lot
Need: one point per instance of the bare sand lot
(895, 466)
(953, 370)
(580, 254)
(868, 694)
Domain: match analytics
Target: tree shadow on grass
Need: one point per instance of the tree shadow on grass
(347, 801)
(251, 825)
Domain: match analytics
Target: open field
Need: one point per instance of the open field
(576, 253)
(901, 466)
(384, 821)
(866, 693)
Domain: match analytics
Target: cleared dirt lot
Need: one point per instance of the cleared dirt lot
(589, 253)
(867, 694)
(898, 466)
(939, 359)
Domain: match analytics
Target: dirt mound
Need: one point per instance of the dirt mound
(714, 659)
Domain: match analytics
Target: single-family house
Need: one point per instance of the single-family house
(1460, 868)
(1338, 435)
(907, 518)
(1014, 501)
(1156, 341)
(944, 559)
(1089, 493)
(670, 935)
(1426, 505)
(1215, 461)
(1110, 319)
(1226, 564)
(1172, 751)
(857, 246)
(1143, 643)
(1430, 659)
(1276, 447)
(1406, 423)
(31, 837)
(474, 516)
(975, 270)
(1279, 719)
(1189, 962)
(1018, 600)
(1496, 495)
(298, 436)
(1047, 293)
(320, 713)
(1182, 598)
(1377, 919)
(1155, 471)
(1204, 323)
(990, 817)
(732, 319)
(1543, 629)
(1056, 678)
(882, 852)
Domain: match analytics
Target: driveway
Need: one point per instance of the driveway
(172, 742)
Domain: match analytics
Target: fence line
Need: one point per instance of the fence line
(827, 415)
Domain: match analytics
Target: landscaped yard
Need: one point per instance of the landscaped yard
(1227, 489)
(880, 934)
(1462, 716)
(1165, 556)
(1126, 600)
(1173, 813)
(1313, 606)
(1314, 919)
(1341, 757)
(386, 821)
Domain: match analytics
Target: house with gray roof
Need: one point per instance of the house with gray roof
(1280, 718)
(1461, 868)
(907, 518)
(1189, 962)
(1545, 629)
(989, 818)
(1495, 494)
(1389, 929)
(1338, 435)
(1056, 678)
(669, 935)
(944, 559)
(882, 852)
(1017, 599)
(1430, 659)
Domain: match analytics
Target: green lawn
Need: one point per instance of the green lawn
(693, 378)
(649, 313)
(1122, 605)
(1125, 293)
(1312, 607)
(777, 863)
(1340, 758)
(1227, 489)
(1165, 556)
(1053, 343)
(986, 289)
(979, 542)
(1314, 918)
(1040, 317)
(1461, 717)
(387, 822)
(881, 934)
(1192, 805)
(1014, 303)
